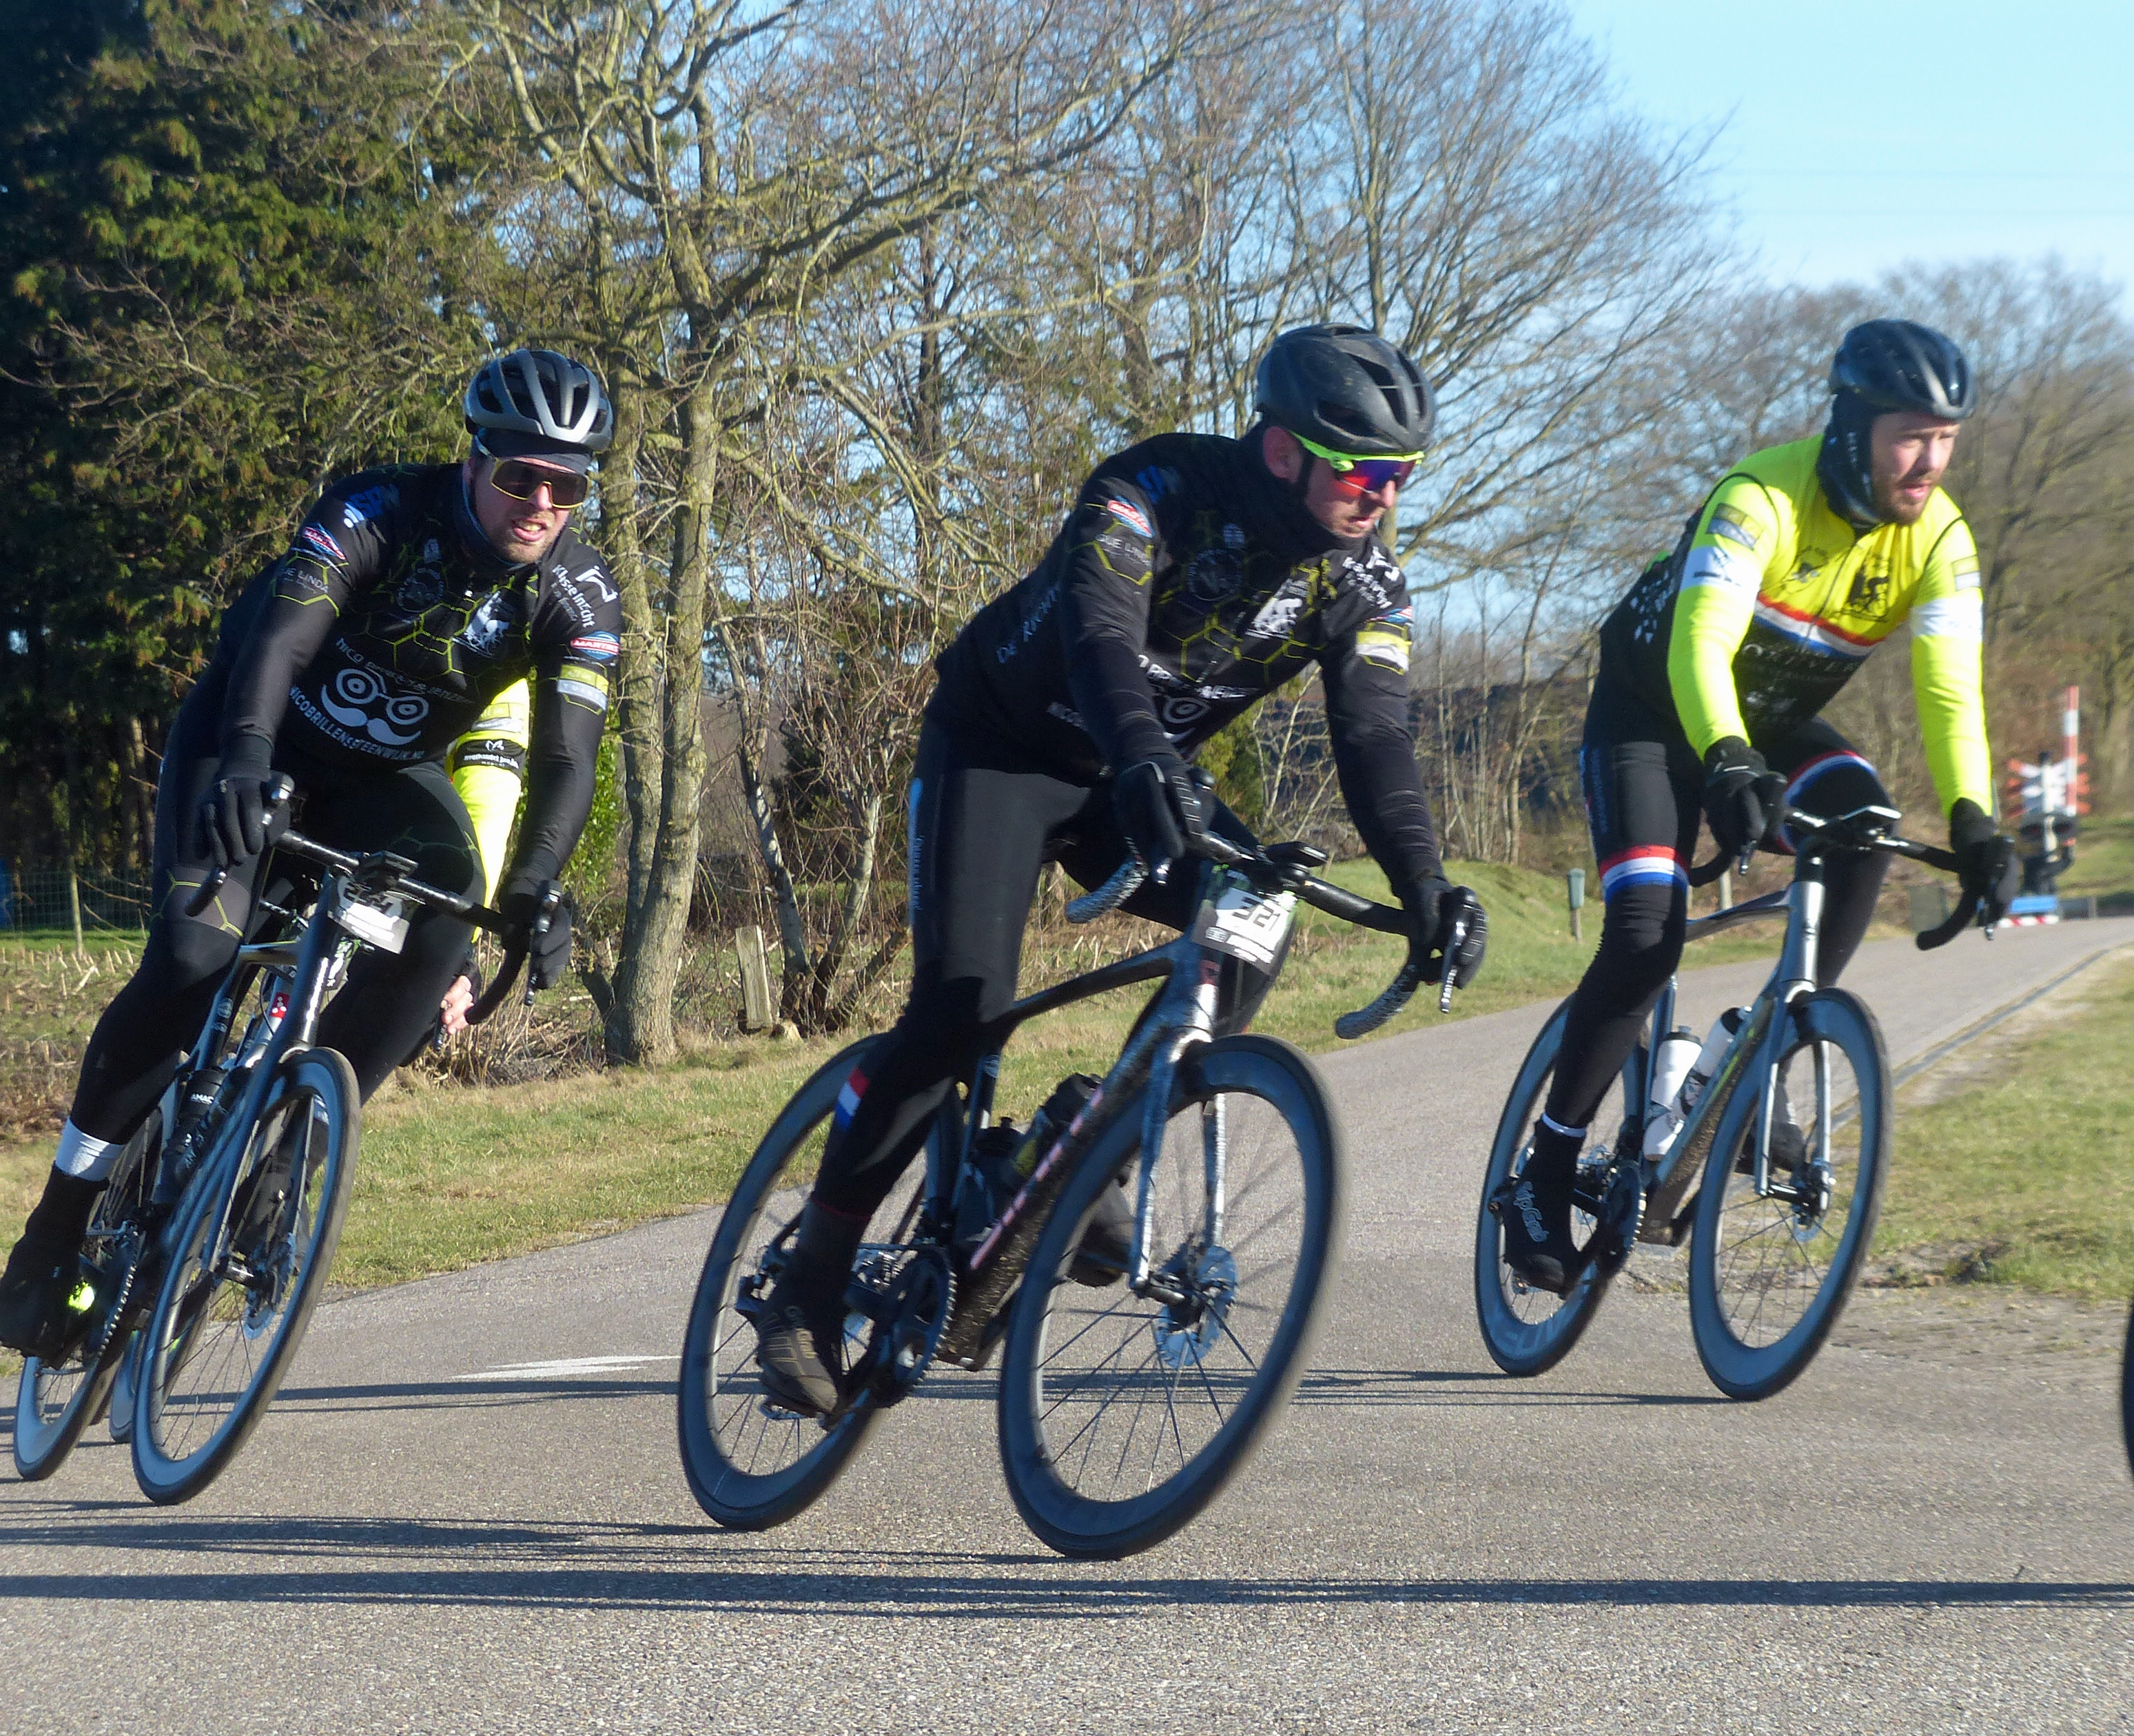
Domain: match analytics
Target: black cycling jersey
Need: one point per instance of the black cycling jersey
(1187, 584)
(391, 624)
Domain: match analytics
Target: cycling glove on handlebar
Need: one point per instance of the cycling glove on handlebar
(236, 822)
(1159, 808)
(1433, 906)
(547, 951)
(1744, 798)
(1986, 858)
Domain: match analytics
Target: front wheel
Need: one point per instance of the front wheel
(1526, 1330)
(1769, 1274)
(249, 1256)
(1122, 1415)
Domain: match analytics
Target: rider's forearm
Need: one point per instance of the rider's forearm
(1947, 682)
(561, 765)
(1383, 787)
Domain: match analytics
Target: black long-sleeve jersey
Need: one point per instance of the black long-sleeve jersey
(1187, 584)
(391, 624)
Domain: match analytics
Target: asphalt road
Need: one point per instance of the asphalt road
(466, 1513)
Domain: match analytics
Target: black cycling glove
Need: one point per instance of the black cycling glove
(1744, 798)
(1161, 810)
(1986, 858)
(236, 820)
(548, 951)
(1433, 907)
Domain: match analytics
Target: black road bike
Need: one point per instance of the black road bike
(1129, 1393)
(1775, 1245)
(210, 1246)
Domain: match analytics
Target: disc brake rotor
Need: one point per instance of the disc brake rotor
(1186, 1330)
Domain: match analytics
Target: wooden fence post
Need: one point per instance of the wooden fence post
(755, 1010)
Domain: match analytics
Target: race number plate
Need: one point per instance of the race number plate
(385, 929)
(1244, 924)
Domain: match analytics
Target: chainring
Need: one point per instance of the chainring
(914, 1306)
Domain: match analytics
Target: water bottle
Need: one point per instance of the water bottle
(1709, 1057)
(1672, 1061)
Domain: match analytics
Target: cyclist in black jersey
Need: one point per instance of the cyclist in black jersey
(408, 599)
(1194, 576)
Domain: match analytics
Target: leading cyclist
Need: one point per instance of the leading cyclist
(1194, 576)
(1713, 669)
(410, 598)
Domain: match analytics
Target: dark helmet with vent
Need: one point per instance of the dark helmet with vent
(534, 400)
(1346, 389)
(1897, 364)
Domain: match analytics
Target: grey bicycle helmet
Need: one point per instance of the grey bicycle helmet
(1897, 364)
(536, 402)
(1346, 389)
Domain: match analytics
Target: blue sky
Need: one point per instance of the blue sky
(1858, 136)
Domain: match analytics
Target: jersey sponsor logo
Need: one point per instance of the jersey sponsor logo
(490, 626)
(357, 700)
(1156, 481)
(1130, 515)
(324, 544)
(367, 504)
(300, 580)
(582, 692)
(1728, 522)
(1278, 615)
(1178, 713)
(605, 646)
(1871, 590)
(1711, 565)
(1375, 645)
(1962, 616)
(1067, 714)
(1234, 536)
(421, 589)
(595, 576)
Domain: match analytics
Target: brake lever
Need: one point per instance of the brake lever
(279, 788)
(538, 929)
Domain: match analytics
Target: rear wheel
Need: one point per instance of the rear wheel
(1122, 1415)
(751, 1463)
(55, 1400)
(1526, 1330)
(250, 1257)
(1769, 1275)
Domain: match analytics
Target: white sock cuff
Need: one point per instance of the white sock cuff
(84, 1158)
(1562, 1132)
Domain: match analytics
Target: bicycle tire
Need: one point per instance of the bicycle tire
(2127, 1394)
(718, 1359)
(1740, 1263)
(119, 1417)
(1054, 1497)
(1527, 1331)
(254, 1284)
(55, 1401)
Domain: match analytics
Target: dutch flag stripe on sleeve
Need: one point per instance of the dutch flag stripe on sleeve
(1640, 865)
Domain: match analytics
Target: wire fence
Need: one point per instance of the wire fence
(51, 899)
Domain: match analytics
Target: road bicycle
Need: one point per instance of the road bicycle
(1129, 1393)
(210, 1246)
(1776, 1238)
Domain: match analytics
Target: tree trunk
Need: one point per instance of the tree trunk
(641, 1027)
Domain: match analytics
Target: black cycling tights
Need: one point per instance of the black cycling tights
(1644, 786)
(983, 822)
(381, 1012)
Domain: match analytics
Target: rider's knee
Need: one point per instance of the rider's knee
(1642, 931)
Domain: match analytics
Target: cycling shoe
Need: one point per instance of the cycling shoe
(1540, 1251)
(44, 1300)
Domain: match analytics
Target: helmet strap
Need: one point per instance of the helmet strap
(1845, 466)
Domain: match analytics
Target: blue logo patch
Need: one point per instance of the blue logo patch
(1131, 516)
(602, 646)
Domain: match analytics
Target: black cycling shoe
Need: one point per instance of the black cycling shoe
(1537, 1244)
(38, 1294)
(800, 1333)
(800, 1351)
(1107, 1243)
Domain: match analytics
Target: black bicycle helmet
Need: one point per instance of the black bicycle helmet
(1346, 389)
(1897, 364)
(535, 401)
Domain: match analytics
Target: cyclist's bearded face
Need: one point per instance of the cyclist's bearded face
(1343, 511)
(519, 530)
(1910, 451)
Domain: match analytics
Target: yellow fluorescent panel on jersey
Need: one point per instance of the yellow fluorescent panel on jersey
(488, 765)
(1780, 602)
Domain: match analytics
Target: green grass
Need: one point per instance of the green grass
(450, 1176)
(2103, 864)
(2025, 1181)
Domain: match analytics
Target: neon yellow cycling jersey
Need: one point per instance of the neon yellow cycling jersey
(1755, 623)
(488, 766)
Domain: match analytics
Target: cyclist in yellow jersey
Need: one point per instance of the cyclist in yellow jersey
(1713, 670)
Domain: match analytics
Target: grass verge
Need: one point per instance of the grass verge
(2020, 1176)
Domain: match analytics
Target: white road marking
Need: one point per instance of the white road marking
(564, 1368)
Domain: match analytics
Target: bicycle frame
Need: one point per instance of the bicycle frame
(1761, 1041)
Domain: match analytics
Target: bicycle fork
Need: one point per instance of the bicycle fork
(1194, 1010)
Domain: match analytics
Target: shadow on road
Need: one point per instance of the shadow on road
(453, 1563)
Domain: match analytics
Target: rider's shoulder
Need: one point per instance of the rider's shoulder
(1163, 468)
(573, 575)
